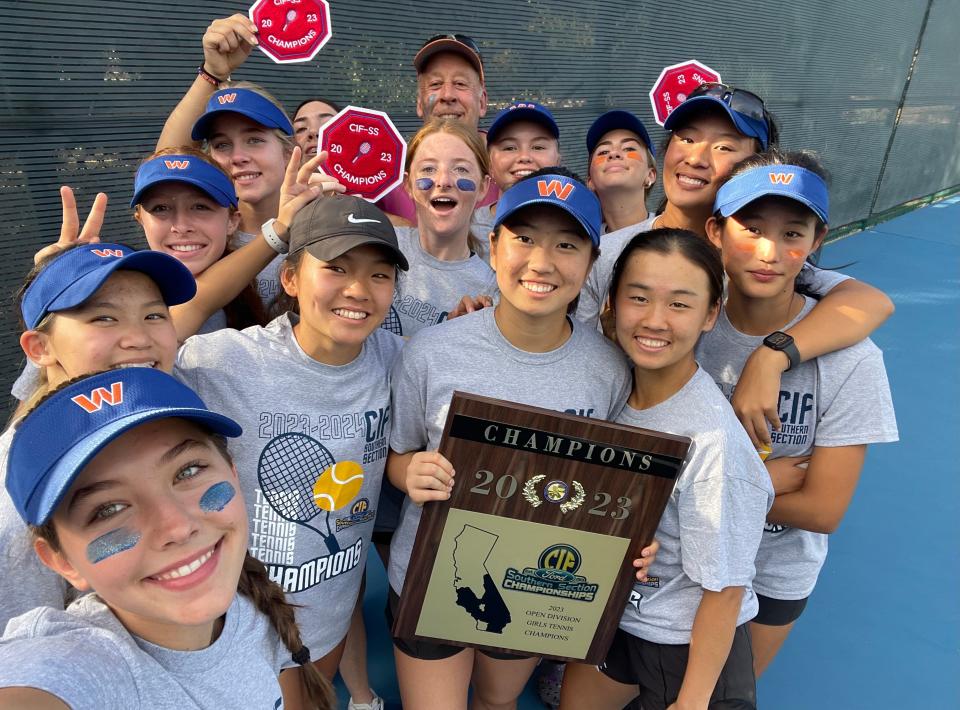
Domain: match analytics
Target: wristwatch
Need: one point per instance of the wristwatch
(778, 340)
(272, 238)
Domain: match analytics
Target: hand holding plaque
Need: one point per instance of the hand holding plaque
(533, 553)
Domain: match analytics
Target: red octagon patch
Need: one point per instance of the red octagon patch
(364, 151)
(674, 85)
(291, 30)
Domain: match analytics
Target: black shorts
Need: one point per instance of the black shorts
(388, 510)
(428, 650)
(779, 612)
(658, 669)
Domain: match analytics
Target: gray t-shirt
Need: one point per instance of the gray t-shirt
(593, 295)
(86, 658)
(218, 321)
(25, 582)
(480, 227)
(310, 458)
(711, 528)
(431, 288)
(838, 399)
(267, 281)
(27, 381)
(586, 375)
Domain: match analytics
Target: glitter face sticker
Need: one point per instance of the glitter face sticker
(465, 185)
(424, 183)
(112, 543)
(217, 497)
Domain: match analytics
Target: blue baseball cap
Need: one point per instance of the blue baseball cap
(75, 275)
(246, 102)
(792, 181)
(749, 126)
(611, 121)
(523, 111)
(184, 168)
(64, 432)
(568, 194)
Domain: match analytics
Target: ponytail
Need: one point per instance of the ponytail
(269, 599)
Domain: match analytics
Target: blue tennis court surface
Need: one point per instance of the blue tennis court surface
(882, 629)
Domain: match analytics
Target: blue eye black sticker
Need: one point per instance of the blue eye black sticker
(216, 497)
(465, 185)
(424, 183)
(112, 543)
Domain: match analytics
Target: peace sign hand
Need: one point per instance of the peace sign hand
(302, 184)
(70, 232)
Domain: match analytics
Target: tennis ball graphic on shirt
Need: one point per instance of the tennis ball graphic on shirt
(764, 450)
(338, 485)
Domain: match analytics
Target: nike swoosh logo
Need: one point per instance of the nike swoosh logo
(354, 220)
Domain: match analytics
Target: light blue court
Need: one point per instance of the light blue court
(882, 629)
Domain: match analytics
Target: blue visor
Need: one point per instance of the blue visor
(75, 275)
(790, 181)
(61, 435)
(188, 169)
(247, 103)
(568, 194)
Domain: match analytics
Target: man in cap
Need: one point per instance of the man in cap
(450, 84)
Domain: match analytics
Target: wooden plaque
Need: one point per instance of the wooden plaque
(533, 553)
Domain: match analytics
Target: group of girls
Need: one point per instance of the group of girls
(228, 575)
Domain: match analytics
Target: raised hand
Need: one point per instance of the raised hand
(302, 184)
(227, 43)
(70, 231)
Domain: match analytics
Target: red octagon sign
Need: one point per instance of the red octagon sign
(674, 85)
(291, 30)
(364, 151)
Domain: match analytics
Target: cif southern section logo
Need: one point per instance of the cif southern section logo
(360, 512)
(554, 576)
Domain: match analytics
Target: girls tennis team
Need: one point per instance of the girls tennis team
(214, 432)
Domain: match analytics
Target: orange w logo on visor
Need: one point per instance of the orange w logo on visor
(554, 187)
(99, 396)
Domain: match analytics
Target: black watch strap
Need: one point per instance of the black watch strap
(778, 340)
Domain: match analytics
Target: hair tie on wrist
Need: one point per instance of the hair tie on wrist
(302, 657)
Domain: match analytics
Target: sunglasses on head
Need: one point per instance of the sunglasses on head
(462, 39)
(740, 100)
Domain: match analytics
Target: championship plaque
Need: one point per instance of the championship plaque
(533, 552)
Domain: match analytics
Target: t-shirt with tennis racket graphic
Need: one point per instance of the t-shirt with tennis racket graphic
(310, 458)
(838, 399)
(431, 288)
(587, 375)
